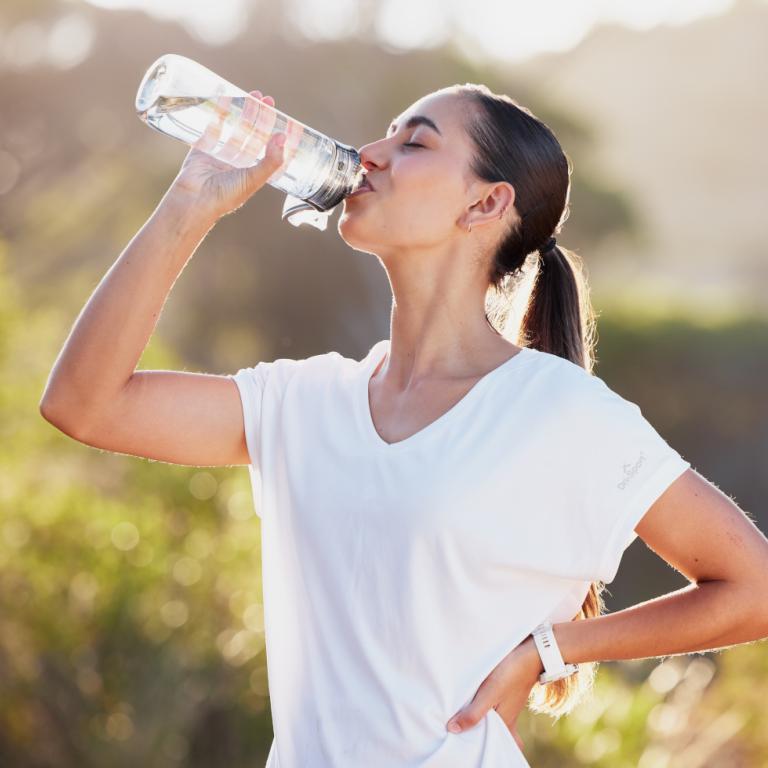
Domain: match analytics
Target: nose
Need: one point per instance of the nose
(372, 155)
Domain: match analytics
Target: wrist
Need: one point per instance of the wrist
(546, 644)
(529, 655)
(185, 204)
(186, 212)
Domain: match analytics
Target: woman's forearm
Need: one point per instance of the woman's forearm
(113, 329)
(700, 617)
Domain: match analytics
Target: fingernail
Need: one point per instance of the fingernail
(454, 727)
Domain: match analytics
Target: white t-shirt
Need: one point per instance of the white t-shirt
(397, 576)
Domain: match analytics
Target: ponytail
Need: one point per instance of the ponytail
(560, 318)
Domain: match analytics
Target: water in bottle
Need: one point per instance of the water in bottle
(185, 100)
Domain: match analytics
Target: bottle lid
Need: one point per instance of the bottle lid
(345, 176)
(298, 212)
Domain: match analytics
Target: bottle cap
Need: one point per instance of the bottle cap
(344, 177)
(298, 212)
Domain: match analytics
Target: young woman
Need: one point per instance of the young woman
(430, 510)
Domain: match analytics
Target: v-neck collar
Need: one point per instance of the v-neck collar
(369, 364)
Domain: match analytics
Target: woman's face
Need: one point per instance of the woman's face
(420, 193)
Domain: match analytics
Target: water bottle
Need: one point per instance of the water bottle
(180, 98)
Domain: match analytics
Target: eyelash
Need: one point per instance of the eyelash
(411, 144)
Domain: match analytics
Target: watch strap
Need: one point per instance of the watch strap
(554, 666)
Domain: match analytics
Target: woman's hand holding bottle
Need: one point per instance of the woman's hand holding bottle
(215, 187)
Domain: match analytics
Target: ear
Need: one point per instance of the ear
(496, 198)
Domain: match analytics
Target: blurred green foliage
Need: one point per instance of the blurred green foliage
(131, 620)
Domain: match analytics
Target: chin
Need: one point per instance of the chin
(363, 230)
(349, 225)
(353, 233)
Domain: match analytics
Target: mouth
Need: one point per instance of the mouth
(365, 186)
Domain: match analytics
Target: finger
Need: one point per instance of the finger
(212, 133)
(488, 695)
(207, 140)
(259, 132)
(244, 143)
(239, 122)
(267, 99)
(242, 154)
(471, 714)
(264, 169)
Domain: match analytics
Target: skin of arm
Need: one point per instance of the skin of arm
(705, 536)
(130, 297)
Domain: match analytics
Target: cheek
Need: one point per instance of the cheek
(426, 180)
(412, 174)
(428, 204)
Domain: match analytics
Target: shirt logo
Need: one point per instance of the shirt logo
(630, 470)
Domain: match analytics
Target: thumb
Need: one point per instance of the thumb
(469, 716)
(273, 158)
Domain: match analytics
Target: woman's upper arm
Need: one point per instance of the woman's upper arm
(193, 419)
(703, 534)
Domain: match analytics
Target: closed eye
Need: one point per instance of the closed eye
(411, 144)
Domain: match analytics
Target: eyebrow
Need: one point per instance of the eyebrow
(418, 120)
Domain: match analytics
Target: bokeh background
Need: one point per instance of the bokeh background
(131, 626)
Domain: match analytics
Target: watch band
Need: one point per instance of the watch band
(554, 666)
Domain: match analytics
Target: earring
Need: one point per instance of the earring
(470, 227)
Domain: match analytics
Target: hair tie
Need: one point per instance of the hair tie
(548, 246)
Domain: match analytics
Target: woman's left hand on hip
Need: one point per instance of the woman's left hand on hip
(506, 689)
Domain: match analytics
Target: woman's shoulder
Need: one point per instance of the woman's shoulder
(322, 366)
(574, 384)
(319, 365)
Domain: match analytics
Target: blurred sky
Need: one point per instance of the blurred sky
(489, 28)
(483, 31)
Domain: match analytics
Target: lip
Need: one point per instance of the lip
(360, 191)
(365, 187)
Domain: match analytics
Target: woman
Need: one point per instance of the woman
(428, 507)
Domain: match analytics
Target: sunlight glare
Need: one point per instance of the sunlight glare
(213, 23)
(405, 25)
(506, 30)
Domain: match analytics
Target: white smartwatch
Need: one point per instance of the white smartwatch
(554, 666)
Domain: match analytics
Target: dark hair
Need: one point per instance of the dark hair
(513, 145)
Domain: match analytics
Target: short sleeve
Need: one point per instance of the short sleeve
(626, 465)
(251, 384)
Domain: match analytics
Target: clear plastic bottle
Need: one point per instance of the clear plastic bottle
(181, 98)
